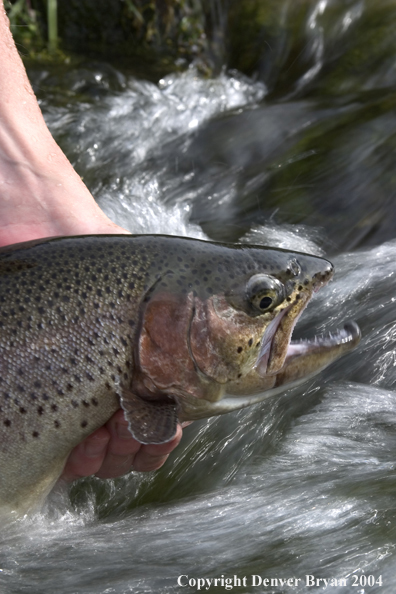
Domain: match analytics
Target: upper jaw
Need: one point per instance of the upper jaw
(264, 356)
(277, 338)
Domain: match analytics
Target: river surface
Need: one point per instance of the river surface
(303, 484)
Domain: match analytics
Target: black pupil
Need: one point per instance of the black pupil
(265, 302)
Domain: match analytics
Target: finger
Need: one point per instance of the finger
(87, 457)
(152, 457)
(121, 449)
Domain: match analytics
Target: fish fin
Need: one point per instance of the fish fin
(152, 421)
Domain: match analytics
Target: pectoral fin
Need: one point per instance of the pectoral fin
(153, 421)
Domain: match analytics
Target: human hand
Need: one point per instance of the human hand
(111, 451)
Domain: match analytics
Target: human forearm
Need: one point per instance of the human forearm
(40, 193)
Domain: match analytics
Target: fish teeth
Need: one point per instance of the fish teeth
(340, 336)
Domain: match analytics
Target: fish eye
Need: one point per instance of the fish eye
(265, 302)
(264, 292)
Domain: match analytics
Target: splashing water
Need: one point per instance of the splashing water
(127, 129)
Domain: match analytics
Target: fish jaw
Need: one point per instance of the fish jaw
(304, 360)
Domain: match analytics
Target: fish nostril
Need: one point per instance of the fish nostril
(294, 267)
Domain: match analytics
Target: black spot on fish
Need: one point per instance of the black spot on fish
(84, 423)
(36, 434)
(250, 342)
(7, 423)
(239, 349)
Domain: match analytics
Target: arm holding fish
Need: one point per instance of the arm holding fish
(41, 195)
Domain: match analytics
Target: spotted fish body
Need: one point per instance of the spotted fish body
(162, 325)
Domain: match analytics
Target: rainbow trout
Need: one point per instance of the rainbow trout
(167, 328)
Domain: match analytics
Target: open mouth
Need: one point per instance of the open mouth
(321, 349)
(349, 334)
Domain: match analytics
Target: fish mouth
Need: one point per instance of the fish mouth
(348, 335)
(308, 353)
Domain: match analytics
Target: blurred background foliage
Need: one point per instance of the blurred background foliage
(271, 39)
(171, 32)
(26, 25)
(168, 33)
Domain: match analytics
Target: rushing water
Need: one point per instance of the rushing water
(303, 484)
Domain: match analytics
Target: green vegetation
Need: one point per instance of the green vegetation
(52, 19)
(25, 25)
(168, 33)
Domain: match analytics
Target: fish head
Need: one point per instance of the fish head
(251, 323)
(223, 323)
